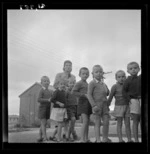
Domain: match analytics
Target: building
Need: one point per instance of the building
(13, 119)
(28, 113)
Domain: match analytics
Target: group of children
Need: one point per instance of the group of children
(72, 100)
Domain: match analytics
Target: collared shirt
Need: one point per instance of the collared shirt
(80, 89)
(44, 96)
(116, 91)
(101, 82)
(43, 87)
(132, 87)
(97, 93)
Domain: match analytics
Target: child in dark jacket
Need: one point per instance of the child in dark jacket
(59, 112)
(132, 92)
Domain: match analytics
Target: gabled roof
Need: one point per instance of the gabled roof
(36, 83)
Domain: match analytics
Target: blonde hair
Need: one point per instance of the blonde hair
(132, 63)
(83, 68)
(97, 66)
(43, 77)
(118, 72)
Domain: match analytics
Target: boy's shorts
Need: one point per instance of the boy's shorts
(121, 111)
(135, 106)
(103, 110)
(72, 111)
(44, 112)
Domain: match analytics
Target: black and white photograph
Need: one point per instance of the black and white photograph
(74, 76)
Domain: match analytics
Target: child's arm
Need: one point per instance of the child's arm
(41, 99)
(56, 82)
(53, 99)
(112, 94)
(107, 90)
(60, 104)
(90, 94)
(125, 89)
(75, 91)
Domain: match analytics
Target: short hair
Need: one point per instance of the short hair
(118, 72)
(44, 77)
(66, 61)
(96, 66)
(83, 68)
(132, 63)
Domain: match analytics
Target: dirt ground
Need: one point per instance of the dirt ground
(31, 135)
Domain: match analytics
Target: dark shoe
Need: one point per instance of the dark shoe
(45, 140)
(88, 141)
(122, 141)
(52, 138)
(75, 137)
(97, 141)
(40, 140)
(107, 141)
(130, 141)
(64, 136)
(61, 141)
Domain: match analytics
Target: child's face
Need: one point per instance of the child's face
(84, 74)
(133, 69)
(68, 67)
(120, 77)
(98, 73)
(71, 85)
(62, 86)
(45, 82)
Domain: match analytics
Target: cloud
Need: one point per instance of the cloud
(40, 41)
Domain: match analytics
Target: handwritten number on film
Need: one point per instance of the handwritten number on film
(39, 6)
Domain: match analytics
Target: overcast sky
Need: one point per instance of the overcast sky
(40, 41)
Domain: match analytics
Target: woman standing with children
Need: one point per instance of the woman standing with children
(67, 77)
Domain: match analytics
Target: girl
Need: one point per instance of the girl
(84, 107)
(59, 113)
(121, 110)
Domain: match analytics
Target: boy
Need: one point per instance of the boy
(44, 107)
(71, 111)
(97, 95)
(132, 92)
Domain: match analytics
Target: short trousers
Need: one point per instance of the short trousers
(135, 106)
(121, 111)
(103, 110)
(72, 111)
(84, 107)
(44, 112)
(59, 114)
